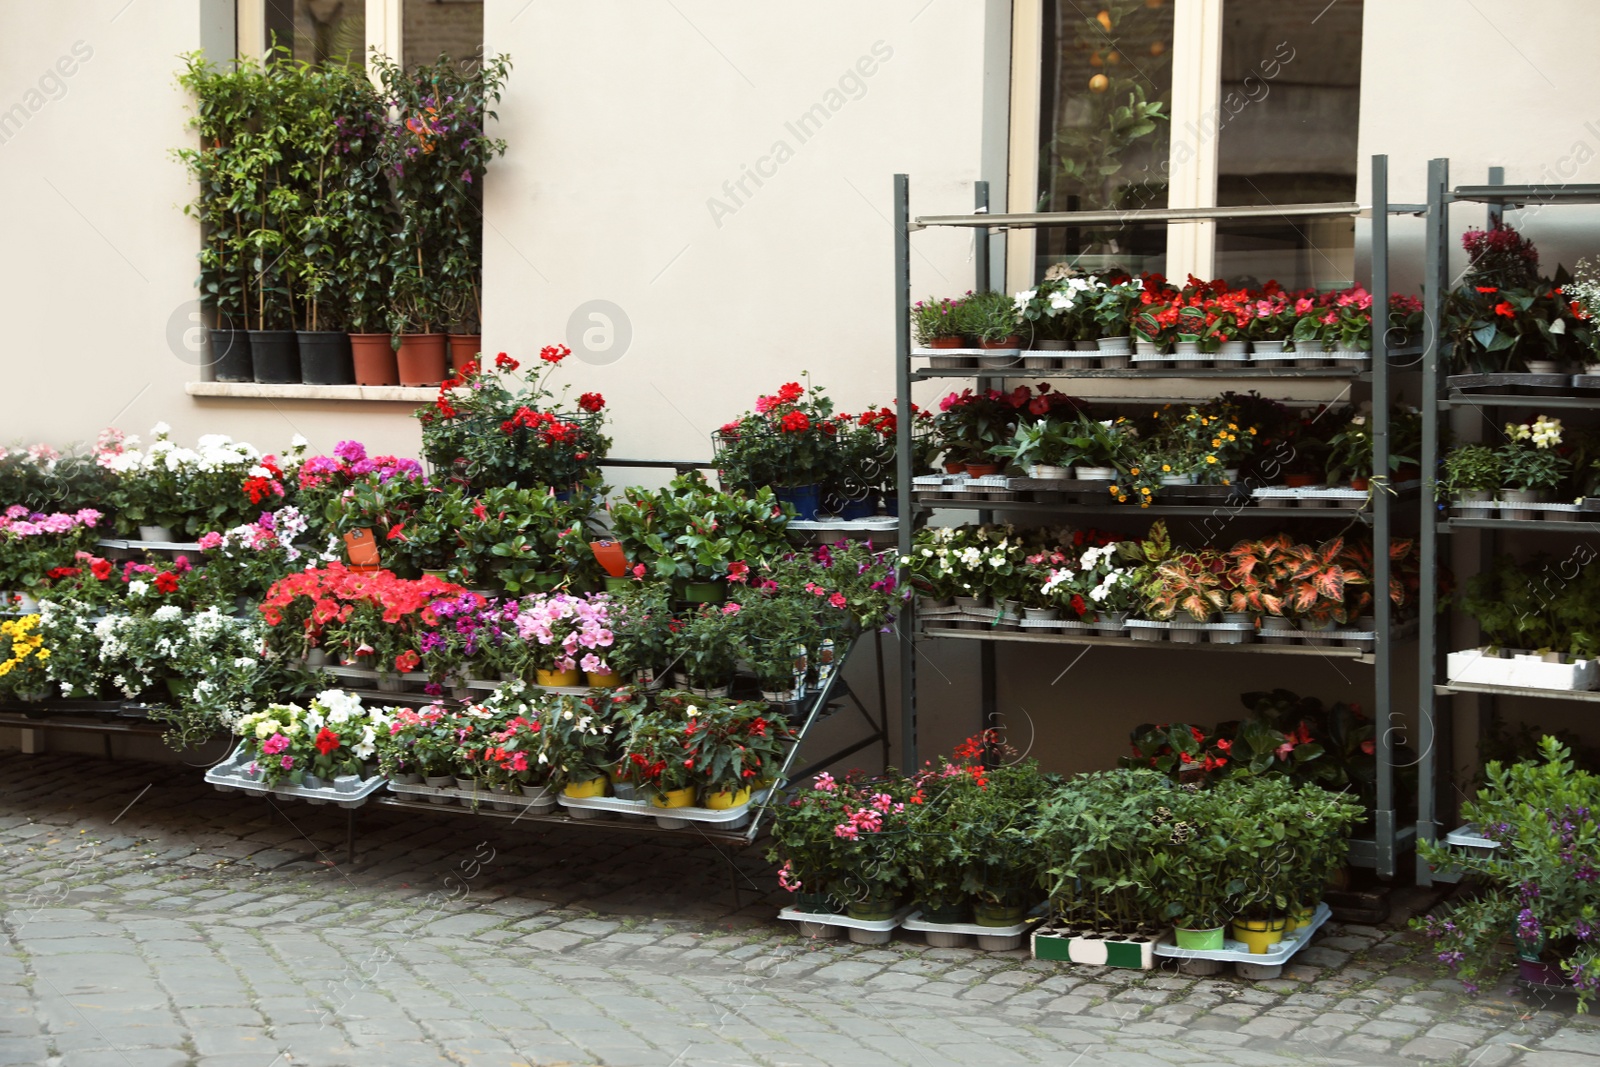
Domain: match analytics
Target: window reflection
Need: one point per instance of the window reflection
(319, 31)
(449, 27)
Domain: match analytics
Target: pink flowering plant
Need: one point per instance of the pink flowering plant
(708, 644)
(470, 636)
(34, 544)
(841, 842)
(564, 632)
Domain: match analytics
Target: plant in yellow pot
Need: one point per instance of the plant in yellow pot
(732, 747)
(578, 744)
(567, 636)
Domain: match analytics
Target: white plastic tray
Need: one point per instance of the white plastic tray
(1238, 952)
(1468, 837)
(670, 818)
(229, 775)
(877, 522)
(827, 918)
(915, 921)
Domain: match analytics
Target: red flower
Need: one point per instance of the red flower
(554, 353)
(790, 393)
(327, 741)
(591, 401)
(397, 532)
(1224, 744)
(447, 409)
(407, 661)
(738, 572)
(795, 422)
(166, 582)
(101, 569)
(1505, 309)
(505, 362)
(1487, 289)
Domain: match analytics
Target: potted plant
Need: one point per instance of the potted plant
(1196, 871)
(708, 643)
(1187, 582)
(1113, 312)
(1472, 474)
(790, 442)
(935, 323)
(697, 537)
(641, 616)
(971, 424)
(993, 318)
(732, 746)
(1530, 468)
(566, 636)
(779, 629)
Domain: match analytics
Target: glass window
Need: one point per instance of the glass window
(319, 31)
(442, 27)
(1290, 99)
(1104, 134)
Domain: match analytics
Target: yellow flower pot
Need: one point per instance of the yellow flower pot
(566, 679)
(594, 787)
(674, 798)
(727, 799)
(1299, 916)
(609, 680)
(1259, 934)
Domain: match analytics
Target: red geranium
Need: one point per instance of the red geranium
(554, 353)
(166, 582)
(795, 422)
(505, 362)
(327, 741)
(591, 401)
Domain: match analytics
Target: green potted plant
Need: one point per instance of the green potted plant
(993, 318)
(1190, 583)
(696, 537)
(779, 630)
(707, 644)
(1196, 868)
(1530, 467)
(790, 442)
(936, 323)
(1472, 474)
(971, 424)
(1113, 313)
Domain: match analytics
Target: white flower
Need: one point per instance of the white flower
(1558, 327)
(168, 613)
(138, 587)
(161, 429)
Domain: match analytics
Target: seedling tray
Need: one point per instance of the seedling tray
(229, 775)
(1236, 952)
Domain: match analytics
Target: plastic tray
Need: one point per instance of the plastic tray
(877, 522)
(990, 938)
(1467, 837)
(229, 775)
(827, 918)
(667, 818)
(1237, 952)
(540, 802)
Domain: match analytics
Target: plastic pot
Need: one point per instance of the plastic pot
(372, 358)
(464, 348)
(325, 358)
(230, 356)
(421, 359)
(275, 357)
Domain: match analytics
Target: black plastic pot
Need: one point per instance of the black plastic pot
(325, 358)
(275, 355)
(230, 356)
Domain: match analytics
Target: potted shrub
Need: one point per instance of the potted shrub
(807, 845)
(778, 630)
(1530, 468)
(641, 642)
(707, 644)
(1196, 876)
(993, 318)
(696, 537)
(1472, 474)
(733, 746)
(1113, 313)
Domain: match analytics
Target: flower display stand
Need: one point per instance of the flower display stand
(539, 800)
(232, 774)
(1250, 965)
(956, 935)
(823, 925)
(666, 818)
(1070, 944)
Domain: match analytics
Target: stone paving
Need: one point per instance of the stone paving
(152, 922)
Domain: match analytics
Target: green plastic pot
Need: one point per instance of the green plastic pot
(985, 914)
(701, 592)
(871, 911)
(1200, 940)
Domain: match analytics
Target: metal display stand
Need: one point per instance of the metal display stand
(1390, 839)
(1440, 395)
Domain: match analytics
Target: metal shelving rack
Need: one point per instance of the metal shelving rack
(1390, 839)
(1435, 731)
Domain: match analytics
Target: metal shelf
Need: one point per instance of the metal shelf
(1580, 526)
(561, 818)
(1233, 508)
(1589, 696)
(1354, 655)
(1517, 195)
(1506, 400)
(1031, 219)
(1136, 374)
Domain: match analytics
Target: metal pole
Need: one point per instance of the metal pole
(989, 714)
(907, 626)
(1384, 817)
(1497, 212)
(980, 252)
(1435, 275)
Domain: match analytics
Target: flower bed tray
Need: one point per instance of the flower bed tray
(229, 775)
(954, 935)
(540, 802)
(825, 925)
(1520, 668)
(1065, 944)
(666, 818)
(1249, 964)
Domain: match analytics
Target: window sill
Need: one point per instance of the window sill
(400, 394)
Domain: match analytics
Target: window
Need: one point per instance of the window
(1190, 103)
(319, 31)
(449, 27)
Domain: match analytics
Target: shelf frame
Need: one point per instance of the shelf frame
(1588, 696)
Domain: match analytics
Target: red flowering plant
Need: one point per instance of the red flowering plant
(970, 424)
(371, 618)
(509, 754)
(1504, 314)
(841, 842)
(492, 426)
(715, 745)
(790, 439)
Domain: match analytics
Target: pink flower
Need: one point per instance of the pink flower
(287, 763)
(210, 540)
(1285, 749)
(274, 744)
(825, 782)
(730, 608)
(846, 831)
(837, 600)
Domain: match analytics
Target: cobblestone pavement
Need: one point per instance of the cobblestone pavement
(151, 922)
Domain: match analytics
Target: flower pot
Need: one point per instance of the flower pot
(871, 911)
(982, 470)
(1041, 614)
(1475, 500)
(1115, 346)
(1308, 353)
(157, 533)
(275, 356)
(986, 914)
(316, 657)
(1259, 935)
(561, 679)
(675, 798)
(1299, 481)
(618, 585)
(346, 783)
(1538, 972)
(1233, 351)
(597, 680)
(1095, 474)
(1267, 348)
(806, 499)
(1182, 633)
(1146, 352)
(593, 787)
(954, 466)
(1299, 915)
(864, 508)
(438, 781)
(725, 799)
(421, 359)
(464, 348)
(373, 360)
(390, 682)
(406, 778)
(701, 592)
(1177, 479)
(1543, 366)
(1200, 940)
(1309, 630)
(1277, 630)
(325, 358)
(1049, 472)
(1111, 623)
(311, 781)
(1110, 361)
(948, 914)
(1520, 496)
(710, 692)
(1040, 362)
(230, 356)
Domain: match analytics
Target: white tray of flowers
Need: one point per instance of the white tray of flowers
(242, 772)
(314, 754)
(1238, 952)
(668, 818)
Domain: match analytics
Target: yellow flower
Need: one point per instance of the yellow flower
(1166, 468)
(1216, 442)
(1252, 431)
(1211, 459)
(1113, 490)
(1145, 490)
(1133, 471)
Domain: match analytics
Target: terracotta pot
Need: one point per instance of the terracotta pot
(954, 466)
(946, 342)
(373, 357)
(980, 470)
(464, 348)
(1299, 481)
(421, 358)
(1008, 342)
(1359, 484)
